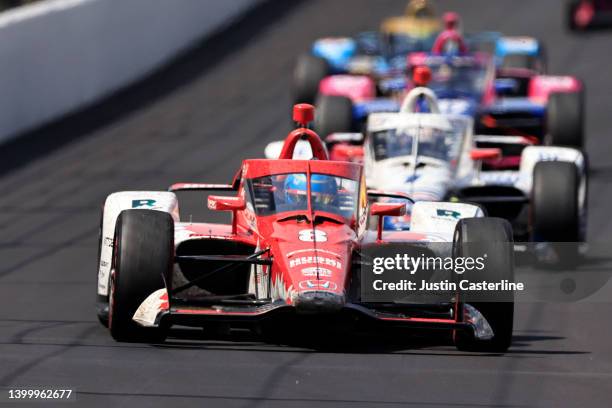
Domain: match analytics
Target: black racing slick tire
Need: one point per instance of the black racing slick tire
(143, 253)
(101, 300)
(308, 73)
(555, 202)
(492, 238)
(565, 119)
(334, 114)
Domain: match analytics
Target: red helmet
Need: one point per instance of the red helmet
(451, 20)
(449, 35)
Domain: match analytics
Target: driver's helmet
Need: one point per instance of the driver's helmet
(420, 9)
(432, 143)
(323, 189)
(296, 189)
(401, 223)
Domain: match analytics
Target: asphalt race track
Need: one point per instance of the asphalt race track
(195, 121)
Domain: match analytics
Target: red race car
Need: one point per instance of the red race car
(296, 250)
(586, 14)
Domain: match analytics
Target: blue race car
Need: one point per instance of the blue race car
(507, 94)
(375, 54)
(520, 53)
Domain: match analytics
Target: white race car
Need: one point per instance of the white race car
(432, 156)
(541, 190)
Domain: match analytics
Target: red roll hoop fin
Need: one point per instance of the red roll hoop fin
(303, 114)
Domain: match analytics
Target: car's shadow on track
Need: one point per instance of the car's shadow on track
(435, 344)
(526, 344)
(601, 174)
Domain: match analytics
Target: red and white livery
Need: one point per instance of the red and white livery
(293, 249)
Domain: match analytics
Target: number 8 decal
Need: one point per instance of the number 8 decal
(312, 235)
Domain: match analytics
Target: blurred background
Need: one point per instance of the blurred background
(7, 4)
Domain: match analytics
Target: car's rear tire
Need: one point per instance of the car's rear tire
(565, 119)
(334, 114)
(143, 253)
(492, 238)
(570, 10)
(308, 73)
(555, 211)
(554, 202)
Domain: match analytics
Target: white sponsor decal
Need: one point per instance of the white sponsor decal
(557, 81)
(321, 260)
(312, 235)
(317, 271)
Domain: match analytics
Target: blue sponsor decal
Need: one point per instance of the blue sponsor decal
(510, 105)
(457, 106)
(412, 178)
(363, 109)
(517, 46)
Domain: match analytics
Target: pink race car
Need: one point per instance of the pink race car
(586, 14)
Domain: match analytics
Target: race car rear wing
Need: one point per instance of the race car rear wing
(374, 194)
(200, 187)
(208, 186)
(504, 140)
(510, 147)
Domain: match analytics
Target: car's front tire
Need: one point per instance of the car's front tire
(143, 253)
(492, 238)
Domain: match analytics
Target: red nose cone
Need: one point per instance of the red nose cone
(451, 20)
(303, 114)
(421, 76)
